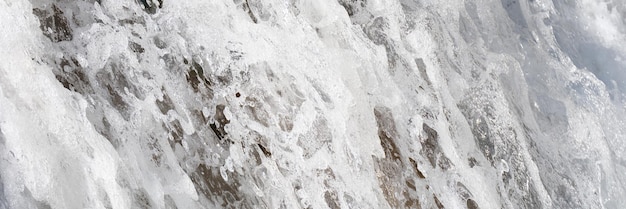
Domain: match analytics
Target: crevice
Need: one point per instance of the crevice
(247, 9)
(265, 151)
(220, 122)
(151, 6)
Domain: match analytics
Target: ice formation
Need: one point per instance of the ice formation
(312, 104)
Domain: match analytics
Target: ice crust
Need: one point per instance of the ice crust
(312, 104)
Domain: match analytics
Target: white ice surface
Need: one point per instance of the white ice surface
(338, 104)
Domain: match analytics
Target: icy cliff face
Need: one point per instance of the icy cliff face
(312, 104)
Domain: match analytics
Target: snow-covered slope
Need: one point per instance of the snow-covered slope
(312, 104)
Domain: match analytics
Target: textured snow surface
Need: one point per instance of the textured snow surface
(312, 104)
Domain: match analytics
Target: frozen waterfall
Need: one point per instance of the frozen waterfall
(312, 104)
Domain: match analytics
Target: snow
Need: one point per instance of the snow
(320, 104)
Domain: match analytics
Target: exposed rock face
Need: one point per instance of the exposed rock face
(54, 24)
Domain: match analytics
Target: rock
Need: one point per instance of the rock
(54, 24)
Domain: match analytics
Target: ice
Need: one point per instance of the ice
(312, 104)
